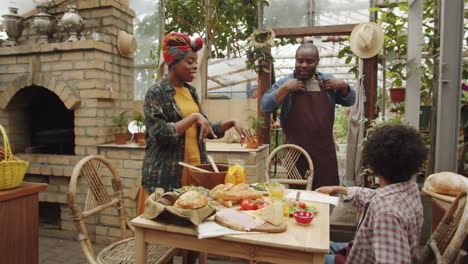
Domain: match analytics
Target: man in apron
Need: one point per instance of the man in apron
(307, 99)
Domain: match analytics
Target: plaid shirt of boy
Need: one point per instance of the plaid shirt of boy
(390, 229)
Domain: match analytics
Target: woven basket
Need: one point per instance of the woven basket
(12, 169)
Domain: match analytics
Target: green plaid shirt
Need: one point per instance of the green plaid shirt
(165, 148)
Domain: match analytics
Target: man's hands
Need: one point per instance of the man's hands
(336, 84)
(294, 84)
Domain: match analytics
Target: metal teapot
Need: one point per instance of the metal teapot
(14, 25)
(72, 23)
(43, 5)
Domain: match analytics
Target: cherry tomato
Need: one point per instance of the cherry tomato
(302, 205)
(261, 203)
(245, 205)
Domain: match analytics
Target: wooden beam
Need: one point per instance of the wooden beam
(230, 84)
(228, 73)
(335, 30)
(370, 87)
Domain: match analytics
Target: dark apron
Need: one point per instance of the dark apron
(310, 126)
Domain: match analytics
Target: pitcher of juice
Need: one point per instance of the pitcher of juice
(236, 173)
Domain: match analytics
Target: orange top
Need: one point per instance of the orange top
(188, 106)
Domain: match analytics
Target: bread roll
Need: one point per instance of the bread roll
(228, 192)
(168, 198)
(448, 183)
(191, 200)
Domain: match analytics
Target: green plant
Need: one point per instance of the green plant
(121, 122)
(340, 126)
(256, 123)
(394, 21)
(139, 121)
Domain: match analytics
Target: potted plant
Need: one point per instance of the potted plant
(139, 136)
(256, 123)
(340, 127)
(120, 132)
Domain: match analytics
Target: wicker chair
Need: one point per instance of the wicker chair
(96, 169)
(281, 166)
(447, 239)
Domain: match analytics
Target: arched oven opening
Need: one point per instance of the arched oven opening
(49, 124)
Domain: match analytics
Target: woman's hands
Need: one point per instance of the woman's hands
(243, 133)
(205, 127)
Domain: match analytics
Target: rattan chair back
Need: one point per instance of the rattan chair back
(281, 166)
(447, 239)
(96, 170)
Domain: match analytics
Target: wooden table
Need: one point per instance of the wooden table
(19, 221)
(299, 244)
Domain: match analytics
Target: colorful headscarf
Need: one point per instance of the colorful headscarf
(176, 46)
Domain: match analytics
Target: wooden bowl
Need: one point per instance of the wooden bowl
(208, 179)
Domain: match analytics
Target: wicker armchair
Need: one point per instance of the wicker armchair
(281, 166)
(95, 169)
(448, 238)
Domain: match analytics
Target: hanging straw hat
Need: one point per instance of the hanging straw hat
(126, 43)
(366, 40)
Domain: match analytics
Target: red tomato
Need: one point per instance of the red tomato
(245, 205)
(302, 205)
(249, 204)
(261, 203)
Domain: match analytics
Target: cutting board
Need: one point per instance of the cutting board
(266, 227)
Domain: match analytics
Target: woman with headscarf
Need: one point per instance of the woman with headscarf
(175, 124)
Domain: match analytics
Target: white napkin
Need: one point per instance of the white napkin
(320, 198)
(212, 229)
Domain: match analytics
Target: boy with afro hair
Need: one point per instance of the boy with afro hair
(393, 214)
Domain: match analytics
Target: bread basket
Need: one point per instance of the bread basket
(12, 169)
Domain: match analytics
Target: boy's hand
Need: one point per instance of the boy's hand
(333, 190)
(326, 189)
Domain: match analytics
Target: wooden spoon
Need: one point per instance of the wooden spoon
(192, 167)
(213, 164)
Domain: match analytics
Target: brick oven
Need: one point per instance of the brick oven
(58, 100)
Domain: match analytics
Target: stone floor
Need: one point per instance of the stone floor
(60, 251)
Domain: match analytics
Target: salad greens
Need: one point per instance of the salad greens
(199, 189)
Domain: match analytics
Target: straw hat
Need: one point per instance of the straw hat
(126, 43)
(366, 40)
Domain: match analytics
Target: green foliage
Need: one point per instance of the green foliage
(231, 22)
(121, 122)
(256, 123)
(340, 126)
(394, 22)
(139, 121)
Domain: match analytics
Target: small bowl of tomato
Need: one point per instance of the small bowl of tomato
(303, 217)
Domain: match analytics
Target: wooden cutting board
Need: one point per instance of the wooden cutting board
(266, 227)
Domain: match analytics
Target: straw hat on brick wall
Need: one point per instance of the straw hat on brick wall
(126, 43)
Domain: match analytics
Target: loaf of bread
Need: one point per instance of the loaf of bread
(191, 200)
(226, 193)
(448, 183)
(168, 198)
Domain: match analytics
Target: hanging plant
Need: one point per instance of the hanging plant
(259, 54)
